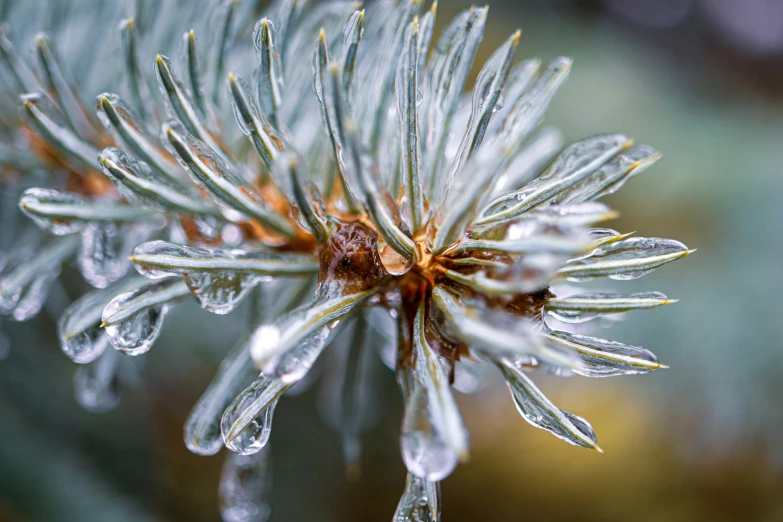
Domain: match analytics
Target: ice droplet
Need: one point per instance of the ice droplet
(96, 387)
(81, 337)
(486, 96)
(432, 373)
(347, 398)
(539, 411)
(287, 348)
(580, 308)
(45, 119)
(244, 484)
(449, 64)
(626, 259)
(611, 176)
(25, 280)
(135, 335)
(136, 318)
(247, 422)
(605, 358)
(106, 246)
(202, 429)
(573, 165)
(495, 332)
(25, 302)
(468, 376)
(34, 198)
(219, 279)
(425, 451)
(385, 328)
(221, 292)
(85, 347)
(420, 502)
(295, 364)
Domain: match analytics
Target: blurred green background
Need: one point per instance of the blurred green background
(698, 79)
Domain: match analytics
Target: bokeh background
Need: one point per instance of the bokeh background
(702, 81)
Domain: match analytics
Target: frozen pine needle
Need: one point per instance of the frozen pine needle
(324, 187)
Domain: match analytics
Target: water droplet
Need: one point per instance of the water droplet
(393, 261)
(96, 386)
(244, 484)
